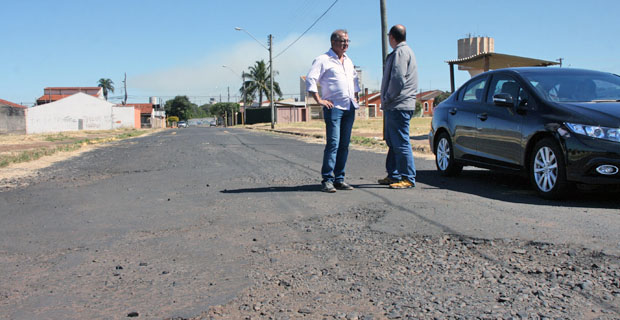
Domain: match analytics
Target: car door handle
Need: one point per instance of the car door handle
(452, 111)
(483, 116)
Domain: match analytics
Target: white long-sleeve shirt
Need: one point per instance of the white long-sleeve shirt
(338, 81)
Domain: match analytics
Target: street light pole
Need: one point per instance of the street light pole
(244, 92)
(270, 42)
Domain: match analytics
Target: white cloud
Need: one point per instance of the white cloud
(207, 77)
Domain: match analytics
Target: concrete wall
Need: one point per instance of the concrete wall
(158, 119)
(291, 114)
(137, 123)
(12, 120)
(77, 112)
(123, 117)
(158, 122)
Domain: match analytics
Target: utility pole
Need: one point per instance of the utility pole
(384, 43)
(245, 99)
(228, 88)
(384, 40)
(271, 81)
(125, 84)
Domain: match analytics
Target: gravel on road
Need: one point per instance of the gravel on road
(345, 270)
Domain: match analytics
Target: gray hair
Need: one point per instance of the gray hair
(336, 34)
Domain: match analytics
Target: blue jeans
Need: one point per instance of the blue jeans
(338, 125)
(399, 163)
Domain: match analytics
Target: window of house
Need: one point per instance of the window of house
(372, 110)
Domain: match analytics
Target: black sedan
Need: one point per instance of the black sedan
(559, 126)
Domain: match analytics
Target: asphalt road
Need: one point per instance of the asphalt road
(162, 225)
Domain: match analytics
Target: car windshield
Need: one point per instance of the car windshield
(578, 87)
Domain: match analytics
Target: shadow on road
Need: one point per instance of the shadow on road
(303, 188)
(421, 137)
(517, 189)
(483, 183)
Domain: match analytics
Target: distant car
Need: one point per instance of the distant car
(182, 124)
(212, 124)
(560, 126)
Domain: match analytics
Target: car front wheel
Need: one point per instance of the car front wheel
(444, 157)
(548, 169)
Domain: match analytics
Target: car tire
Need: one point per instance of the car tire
(548, 170)
(444, 156)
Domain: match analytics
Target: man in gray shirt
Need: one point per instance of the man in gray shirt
(398, 97)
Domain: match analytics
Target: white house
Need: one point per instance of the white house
(78, 112)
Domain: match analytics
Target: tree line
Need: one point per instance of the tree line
(257, 85)
(184, 109)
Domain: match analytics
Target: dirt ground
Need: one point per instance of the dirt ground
(419, 136)
(16, 144)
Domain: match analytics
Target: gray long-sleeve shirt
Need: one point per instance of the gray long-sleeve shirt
(400, 79)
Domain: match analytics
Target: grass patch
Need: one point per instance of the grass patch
(130, 134)
(367, 142)
(57, 137)
(34, 154)
(30, 155)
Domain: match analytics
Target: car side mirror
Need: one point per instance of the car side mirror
(503, 100)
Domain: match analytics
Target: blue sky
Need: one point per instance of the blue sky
(170, 48)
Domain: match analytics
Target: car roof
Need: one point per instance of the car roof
(547, 70)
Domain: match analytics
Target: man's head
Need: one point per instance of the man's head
(397, 34)
(340, 41)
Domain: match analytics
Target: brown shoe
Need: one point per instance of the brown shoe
(387, 181)
(404, 184)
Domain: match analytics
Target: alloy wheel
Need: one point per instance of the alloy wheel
(443, 154)
(545, 169)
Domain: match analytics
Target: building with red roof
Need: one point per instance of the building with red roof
(51, 94)
(372, 102)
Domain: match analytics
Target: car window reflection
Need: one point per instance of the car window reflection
(474, 91)
(576, 88)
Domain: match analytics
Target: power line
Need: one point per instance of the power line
(299, 14)
(315, 22)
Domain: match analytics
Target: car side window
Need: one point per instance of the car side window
(474, 91)
(507, 85)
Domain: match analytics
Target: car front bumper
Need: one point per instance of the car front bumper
(584, 155)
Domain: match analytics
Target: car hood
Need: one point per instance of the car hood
(596, 113)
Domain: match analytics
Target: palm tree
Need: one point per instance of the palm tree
(258, 83)
(107, 85)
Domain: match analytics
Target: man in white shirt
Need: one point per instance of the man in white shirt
(334, 72)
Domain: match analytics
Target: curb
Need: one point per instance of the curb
(416, 148)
